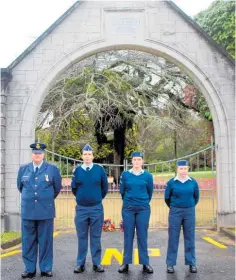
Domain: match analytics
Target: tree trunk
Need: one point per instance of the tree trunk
(119, 149)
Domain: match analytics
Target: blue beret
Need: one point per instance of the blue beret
(182, 163)
(87, 147)
(137, 154)
(38, 148)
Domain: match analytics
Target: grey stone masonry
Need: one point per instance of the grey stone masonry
(157, 27)
(5, 79)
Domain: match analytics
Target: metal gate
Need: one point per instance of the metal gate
(202, 168)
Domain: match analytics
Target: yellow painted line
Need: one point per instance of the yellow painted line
(67, 231)
(212, 241)
(111, 253)
(15, 252)
(136, 256)
(10, 254)
(152, 252)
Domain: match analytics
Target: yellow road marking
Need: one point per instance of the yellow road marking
(136, 256)
(212, 241)
(15, 252)
(152, 252)
(10, 254)
(112, 253)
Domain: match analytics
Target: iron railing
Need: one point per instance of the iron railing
(202, 168)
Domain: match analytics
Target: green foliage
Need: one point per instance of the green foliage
(219, 22)
(203, 107)
(44, 136)
(131, 141)
(73, 151)
(67, 140)
(66, 170)
(162, 167)
(103, 152)
(195, 138)
(157, 143)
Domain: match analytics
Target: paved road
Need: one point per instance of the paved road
(213, 263)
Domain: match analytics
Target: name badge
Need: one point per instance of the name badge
(46, 178)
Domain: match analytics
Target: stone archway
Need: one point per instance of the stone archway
(214, 79)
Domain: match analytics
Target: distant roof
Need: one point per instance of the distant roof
(75, 5)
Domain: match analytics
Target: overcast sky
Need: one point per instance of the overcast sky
(23, 21)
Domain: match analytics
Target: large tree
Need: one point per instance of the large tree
(117, 90)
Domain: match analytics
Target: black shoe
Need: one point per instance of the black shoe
(46, 274)
(147, 268)
(79, 269)
(98, 268)
(123, 268)
(170, 269)
(193, 268)
(28, 274)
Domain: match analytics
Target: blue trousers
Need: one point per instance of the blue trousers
(37, 234)
(136, 217)
(89, 220)
(186, 218)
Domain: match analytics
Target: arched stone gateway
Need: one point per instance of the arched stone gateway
(157, 27)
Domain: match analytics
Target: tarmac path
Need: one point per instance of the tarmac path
(215, 261)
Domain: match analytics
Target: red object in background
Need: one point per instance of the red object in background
(189, 95)
(108, 225)
(159, 184)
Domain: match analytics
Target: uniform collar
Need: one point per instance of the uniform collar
(34, 165)
(132, 171)
(182, 180)
(84, 166)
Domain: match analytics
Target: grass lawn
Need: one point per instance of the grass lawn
(231, 229)
(195, 174)
(8, 236)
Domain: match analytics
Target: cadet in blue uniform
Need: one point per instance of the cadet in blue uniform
(39, 183)
(181, 196)
(89, 185)
(136, 188)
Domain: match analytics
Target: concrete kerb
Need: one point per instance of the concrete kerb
(228, 233)
(11, 243)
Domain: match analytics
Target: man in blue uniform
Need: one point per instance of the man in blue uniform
(89, 185)
(136, 188)
(39, 183)
(181, 196)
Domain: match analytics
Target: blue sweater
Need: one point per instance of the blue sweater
(89, 187)
(180, 194)
(136, 189)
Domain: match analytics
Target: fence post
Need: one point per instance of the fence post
(125, 164)
(212, 155)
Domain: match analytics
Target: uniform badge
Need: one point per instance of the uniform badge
(37, 146)
(46, 177)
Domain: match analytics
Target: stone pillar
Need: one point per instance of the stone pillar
(5, 79)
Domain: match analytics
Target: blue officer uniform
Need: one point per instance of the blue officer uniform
(39, 186)
(90, 186)
(181, 196)
(136, 191)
